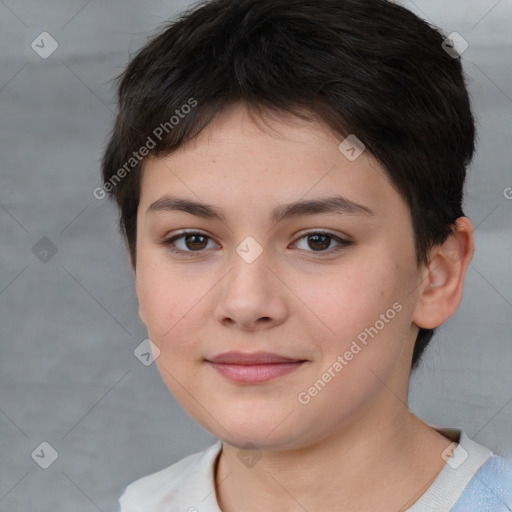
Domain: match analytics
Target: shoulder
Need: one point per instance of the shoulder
(173, 485)
(490, 490)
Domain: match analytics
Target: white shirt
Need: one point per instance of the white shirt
(189, 484)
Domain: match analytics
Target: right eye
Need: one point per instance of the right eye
(193, 242)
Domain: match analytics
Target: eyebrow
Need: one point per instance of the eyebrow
(336, 204)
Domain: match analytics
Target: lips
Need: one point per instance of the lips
(253, 368)
(246, 358)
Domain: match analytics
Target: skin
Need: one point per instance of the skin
(357, 434)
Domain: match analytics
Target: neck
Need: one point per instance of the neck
(380, 461)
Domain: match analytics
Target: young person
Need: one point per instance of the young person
(289, 177)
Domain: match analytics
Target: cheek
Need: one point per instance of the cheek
(362, 302)
(172, 310)
(167, 301)
(350, 297)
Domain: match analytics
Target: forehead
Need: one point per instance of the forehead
(248, 166)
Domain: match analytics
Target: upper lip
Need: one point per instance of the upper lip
(251, 358)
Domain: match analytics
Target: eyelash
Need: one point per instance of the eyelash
(168, 243)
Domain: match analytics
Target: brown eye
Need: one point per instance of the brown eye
(195, 242)
(320, 242)
(191, 243)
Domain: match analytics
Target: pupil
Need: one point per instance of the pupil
(325, 237)
(194, 243)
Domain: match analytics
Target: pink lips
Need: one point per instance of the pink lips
(253, 368)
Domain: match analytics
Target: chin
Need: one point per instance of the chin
(255, 439)
(265, 430)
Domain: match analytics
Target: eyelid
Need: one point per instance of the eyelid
(318, 231)
(179, 233)
(169, 240)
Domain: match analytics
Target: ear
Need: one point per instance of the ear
(443, 278)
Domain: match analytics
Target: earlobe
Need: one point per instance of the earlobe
(443, 281)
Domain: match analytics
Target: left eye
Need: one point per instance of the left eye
(195, 242)
(321, 241)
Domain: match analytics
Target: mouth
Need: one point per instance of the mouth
(253, 368)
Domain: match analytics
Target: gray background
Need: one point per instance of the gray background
(69, 326)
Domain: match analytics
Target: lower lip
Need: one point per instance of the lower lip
(253, 374)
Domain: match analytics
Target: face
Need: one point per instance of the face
(327, 294)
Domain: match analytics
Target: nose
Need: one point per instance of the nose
(251, 297)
